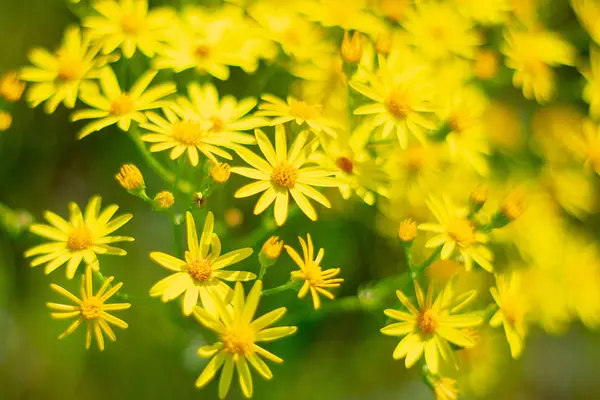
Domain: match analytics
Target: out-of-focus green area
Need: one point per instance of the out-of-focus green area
(333, 356)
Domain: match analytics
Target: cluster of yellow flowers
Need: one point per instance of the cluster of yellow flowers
(393, 102)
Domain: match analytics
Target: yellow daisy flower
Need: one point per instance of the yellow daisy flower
(428, 327)
(456, 230)
(439, 31)
(227, 116)
(114, 106)
(201, 274)
(239, 334)
(181, 134)
(91, 309)
(81, 238)
(532, 54)
(281, 174)
(58, 77)
(315, 279)
(512, 311)
(296, 110)
(591, 91)
(402, 101)
(129, 24)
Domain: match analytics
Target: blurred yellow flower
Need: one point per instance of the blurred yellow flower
(129, 24)
(346, 14)
(456, 230)
(315, 279)
(239, 334)
(91, 309)
(11, 87)
(113, 106)
(444, 388)
(431, 325)
(82, 237)
(6, 120)
(488, 12)
(281, 174)
(58, 77)
(200, 275)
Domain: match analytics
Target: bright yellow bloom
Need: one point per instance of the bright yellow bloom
(58, 77)
(81, 238)
(91, 309)
(588, 12)
(130, 177)
(239, 334)
(201, 274)
(164, 200)
(407, 232)
(11, 87)
(220, 173)
(128, 24)
(226, 117)
(439, 31)
(532, 54)
(281, 174)
(347, 14)
(402, 100)
(488, 12)
(591, 91)
(298, 111)
(315, 279)
(456, 230)
(113, 106)
(443, 388)
(429, 326)
(513, 308)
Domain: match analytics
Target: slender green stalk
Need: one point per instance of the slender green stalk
(290, 285)
(434, 256)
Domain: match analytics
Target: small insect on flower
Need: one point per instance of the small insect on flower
(281, 174)
(201, 274)
(315, 279)
(239, 334)
(130, 178)
(91, 309)
(81, 238)
(429, 326)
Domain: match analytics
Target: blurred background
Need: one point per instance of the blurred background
(334, 356)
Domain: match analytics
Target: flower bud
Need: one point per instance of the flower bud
(270, 251)
(130, 178)
(486, 65)
(383, 44)
(478, 198)
(407, 231)
(11, 87)
(164, 200)
(5, 120)
(220, 173)
(352, 48)
(514, 205)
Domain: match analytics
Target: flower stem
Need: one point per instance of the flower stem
(421, 268)
(290, 285)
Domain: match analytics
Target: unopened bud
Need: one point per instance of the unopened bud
(11, 87)
(164, 200)
(5, 120)
(514, 205)
(270, 251)
(486, 64)
(383, 44)
(352, 48)
(407, 231)
(130, 178)
(220, 173)
(478, 198)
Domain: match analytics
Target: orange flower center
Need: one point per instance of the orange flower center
(91, 307)
(345, 164)
(427, 322)
(69, 68)
(187, 132)
(122, 105)
(217, 124)
(79, 239)
(200, 270)
(397, 105)
(284, 175)
(238, 340)
(304, 110)
(202, 51)
(131, 24)
(462, 231)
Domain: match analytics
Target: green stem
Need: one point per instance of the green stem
(177, 239)
(421, 268)
(152, 162)
(290, 285)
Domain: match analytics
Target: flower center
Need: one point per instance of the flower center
(130, 23)
(427, 322)
(69, 68)
(238, 340)
(122, 105)
(345, 164)
(79, 239)
(303, 110)
(414, 159)
(91, 307)
(313, 273)
(462, 231)
(397, 105)
(202, 51)
(217, 124)
(437, 32)
(187, 132)
(200, 270)
(284, 175)
(456, 124)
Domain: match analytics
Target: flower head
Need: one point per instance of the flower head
(220, 172)
(407, 231)
(430, 325)
(11, 87)
(164, 200)
(352, 49)
(239, 334)
(130, 177)
(201, 275)
(315, 279)
(81, 238)
(271, 249)
(281, 174)
(91, 309)
(6, 120)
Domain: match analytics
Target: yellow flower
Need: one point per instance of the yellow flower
(80, 238)
(429, 326)
(407, 232)
(346, 14)
(443, 388)
(352, 49)
(315, 279)
(130, 177)
(512, 311)
(271, 249)
(532, 54)
(591, 91)
(298, 111)
(114, 106)
(5, 120)
(128, 24)
(58, 77)
(402, 100)
(440, 32)
(226, 117)
(588, 12)
(456, 230)
(239, 334)
(91, 309)
(220, 173)
(11, 87)
(201, 274)
(281, 174)
(164, 200)
(184, 134)
(488, 12)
